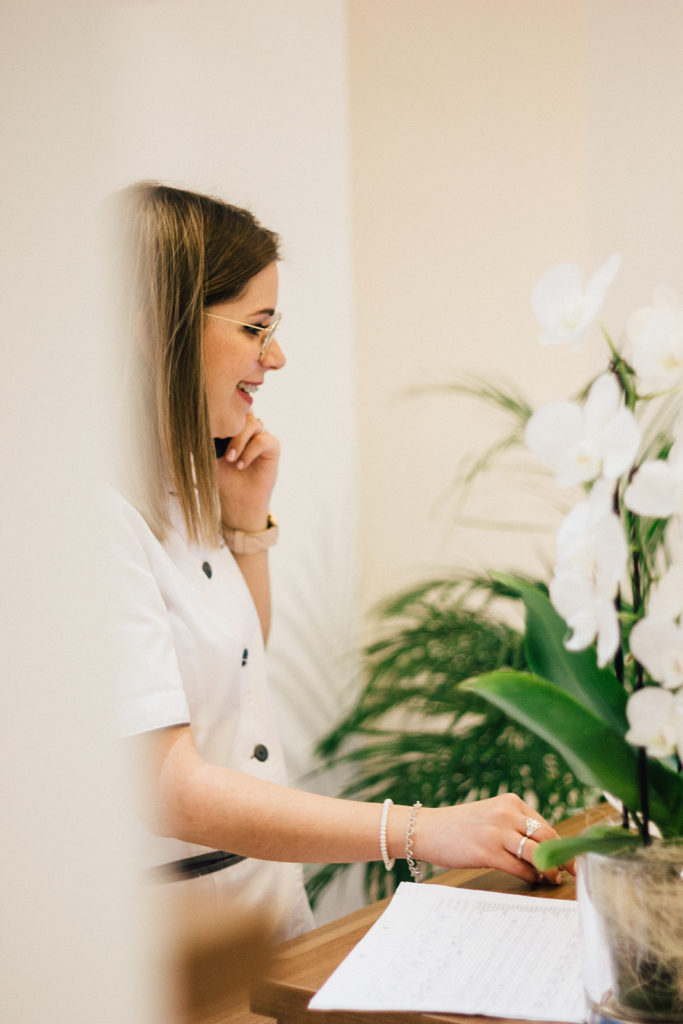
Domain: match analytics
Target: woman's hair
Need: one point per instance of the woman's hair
(181, 252)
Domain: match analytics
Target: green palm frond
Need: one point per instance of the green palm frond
(413, 734)
(505, 398)
(504, 395)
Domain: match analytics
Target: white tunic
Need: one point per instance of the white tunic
(190, 650)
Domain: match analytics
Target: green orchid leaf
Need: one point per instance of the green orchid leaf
(668, 781)
(575, 672)
(596, 839)
(595, 752)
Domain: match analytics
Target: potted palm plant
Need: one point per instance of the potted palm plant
(604, 645)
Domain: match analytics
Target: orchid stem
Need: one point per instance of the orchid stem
(644, 796)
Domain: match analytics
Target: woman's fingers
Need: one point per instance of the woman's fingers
(526, 847)
(535, 831)
(251, 443)
(237, 449)
(517, 867)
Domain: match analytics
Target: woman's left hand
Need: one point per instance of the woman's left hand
(246, 477)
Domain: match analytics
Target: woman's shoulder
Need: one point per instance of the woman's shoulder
(130, 533)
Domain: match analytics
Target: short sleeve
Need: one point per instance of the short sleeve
(147, 674)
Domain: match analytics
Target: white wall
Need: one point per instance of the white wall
(247, 99)
(72, 950)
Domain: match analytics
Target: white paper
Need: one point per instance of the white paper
(441, 949)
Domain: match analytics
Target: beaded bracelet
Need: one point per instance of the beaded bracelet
(415, 871)
(388, 862)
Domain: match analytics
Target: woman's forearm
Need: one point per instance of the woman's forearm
(229, 810)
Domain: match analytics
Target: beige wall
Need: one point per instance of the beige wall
(490, 140)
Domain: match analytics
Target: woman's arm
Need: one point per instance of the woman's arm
(228, 810)
(246, 477)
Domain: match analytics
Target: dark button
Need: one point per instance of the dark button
(260, 752)
(207, 569)
(245, 656)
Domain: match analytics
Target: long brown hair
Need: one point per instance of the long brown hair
(181, 252)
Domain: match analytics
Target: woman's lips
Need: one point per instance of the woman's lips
(247, 389)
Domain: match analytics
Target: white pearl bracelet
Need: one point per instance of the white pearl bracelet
(388, 862)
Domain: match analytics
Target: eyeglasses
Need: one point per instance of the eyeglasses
(270, 329)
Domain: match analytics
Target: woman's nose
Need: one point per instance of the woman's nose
(273, 357)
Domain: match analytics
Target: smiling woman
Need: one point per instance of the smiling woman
(192, 605)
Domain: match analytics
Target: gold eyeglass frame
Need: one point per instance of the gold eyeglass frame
(270, 329)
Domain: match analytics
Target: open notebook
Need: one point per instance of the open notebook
(442, 949)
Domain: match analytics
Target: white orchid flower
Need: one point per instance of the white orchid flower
(657, 640)
(658, 645)
(591, 561)
(563, 308)
(655, 717)
(588, 614)
(666, 596)
(655, 334)
(657, 487)
(581, 443)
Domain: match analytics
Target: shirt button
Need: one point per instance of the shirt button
(206, 568)
(245, 656)
(260, 752)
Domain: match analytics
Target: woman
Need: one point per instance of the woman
(193, 604)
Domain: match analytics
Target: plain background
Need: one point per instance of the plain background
(424, 163)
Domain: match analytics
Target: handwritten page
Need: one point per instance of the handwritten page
(446, 950)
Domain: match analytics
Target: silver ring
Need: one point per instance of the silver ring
(532, 825)
(521, 847)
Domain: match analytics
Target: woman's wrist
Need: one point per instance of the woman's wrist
(245, 541)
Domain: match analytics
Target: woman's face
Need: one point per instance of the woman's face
(232, 368)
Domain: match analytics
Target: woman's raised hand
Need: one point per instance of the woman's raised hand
(246, 477)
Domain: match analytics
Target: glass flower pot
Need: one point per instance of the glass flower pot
(631, 912)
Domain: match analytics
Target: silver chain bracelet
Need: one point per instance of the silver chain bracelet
(415, 871)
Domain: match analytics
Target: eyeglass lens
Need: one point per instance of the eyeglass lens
(270, 334)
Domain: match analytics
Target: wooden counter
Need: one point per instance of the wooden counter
(299, 967)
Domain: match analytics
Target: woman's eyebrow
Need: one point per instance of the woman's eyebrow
(261, 312)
